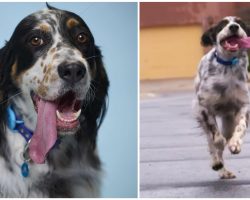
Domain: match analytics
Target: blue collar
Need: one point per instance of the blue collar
(233, 61)
(15, 123)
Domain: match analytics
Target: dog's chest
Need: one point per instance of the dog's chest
(224, 85)
(12, 183)
(59, 180)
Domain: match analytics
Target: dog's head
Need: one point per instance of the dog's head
(53, 62)
(224, 34)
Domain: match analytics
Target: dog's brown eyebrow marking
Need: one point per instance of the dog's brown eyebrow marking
(44, 27)
(71, 23)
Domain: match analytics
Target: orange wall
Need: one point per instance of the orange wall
(170, 52)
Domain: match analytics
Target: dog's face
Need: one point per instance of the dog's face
(52, 62)
(225, 34)
(54, 54)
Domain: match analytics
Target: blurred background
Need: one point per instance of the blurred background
(170, 35)
(114, 26)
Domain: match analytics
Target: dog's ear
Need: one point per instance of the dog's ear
(7, 66)
(7, 60)
(95, 107)
(101, 82)
(246, 28)
(209, 37)
(100, 85)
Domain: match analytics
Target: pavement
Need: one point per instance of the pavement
(174, 158)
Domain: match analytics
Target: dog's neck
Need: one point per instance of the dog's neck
(23, 106)
(226, 55)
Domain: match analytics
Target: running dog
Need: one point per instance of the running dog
(222, 90)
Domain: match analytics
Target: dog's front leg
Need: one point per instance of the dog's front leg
(235, 142)
(216, 142)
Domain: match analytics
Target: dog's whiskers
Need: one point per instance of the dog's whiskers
(90, 96)
(2, 102)
(92, 57)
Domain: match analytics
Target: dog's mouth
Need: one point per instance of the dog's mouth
(68, 110)
(60, 115)
(231, 43)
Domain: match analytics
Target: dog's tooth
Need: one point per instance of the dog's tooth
(59, 116)
(77, 114)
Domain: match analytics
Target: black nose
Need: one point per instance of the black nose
(234, 28)
(71, 73)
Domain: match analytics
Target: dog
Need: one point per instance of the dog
(222, 98)
(53, 96)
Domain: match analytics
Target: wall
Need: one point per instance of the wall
(169, 52)
(170, 35)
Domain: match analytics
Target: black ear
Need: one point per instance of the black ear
(209, 37)
(95, 106)
(243, 25)
(247, 29)
(7, 60)
(99, 86)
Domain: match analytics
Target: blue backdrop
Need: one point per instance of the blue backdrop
(114, 26)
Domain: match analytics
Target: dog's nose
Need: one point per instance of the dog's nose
(234, 28)
(72, 73)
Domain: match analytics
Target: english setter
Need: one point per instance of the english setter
(53, 89)
(222, 90)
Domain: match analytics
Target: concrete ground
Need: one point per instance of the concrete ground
(174, 159)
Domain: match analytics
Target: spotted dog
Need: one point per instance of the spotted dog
(53, 89)
(222, 96)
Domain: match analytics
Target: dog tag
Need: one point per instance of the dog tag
(25, 169)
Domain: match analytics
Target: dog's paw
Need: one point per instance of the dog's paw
(234, 145)
(224, 174)
(217, 166)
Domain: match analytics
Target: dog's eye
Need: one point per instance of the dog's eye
(36, 41)
(81, 38)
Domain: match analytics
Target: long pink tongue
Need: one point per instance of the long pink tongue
(244, 42)
(45, 134)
